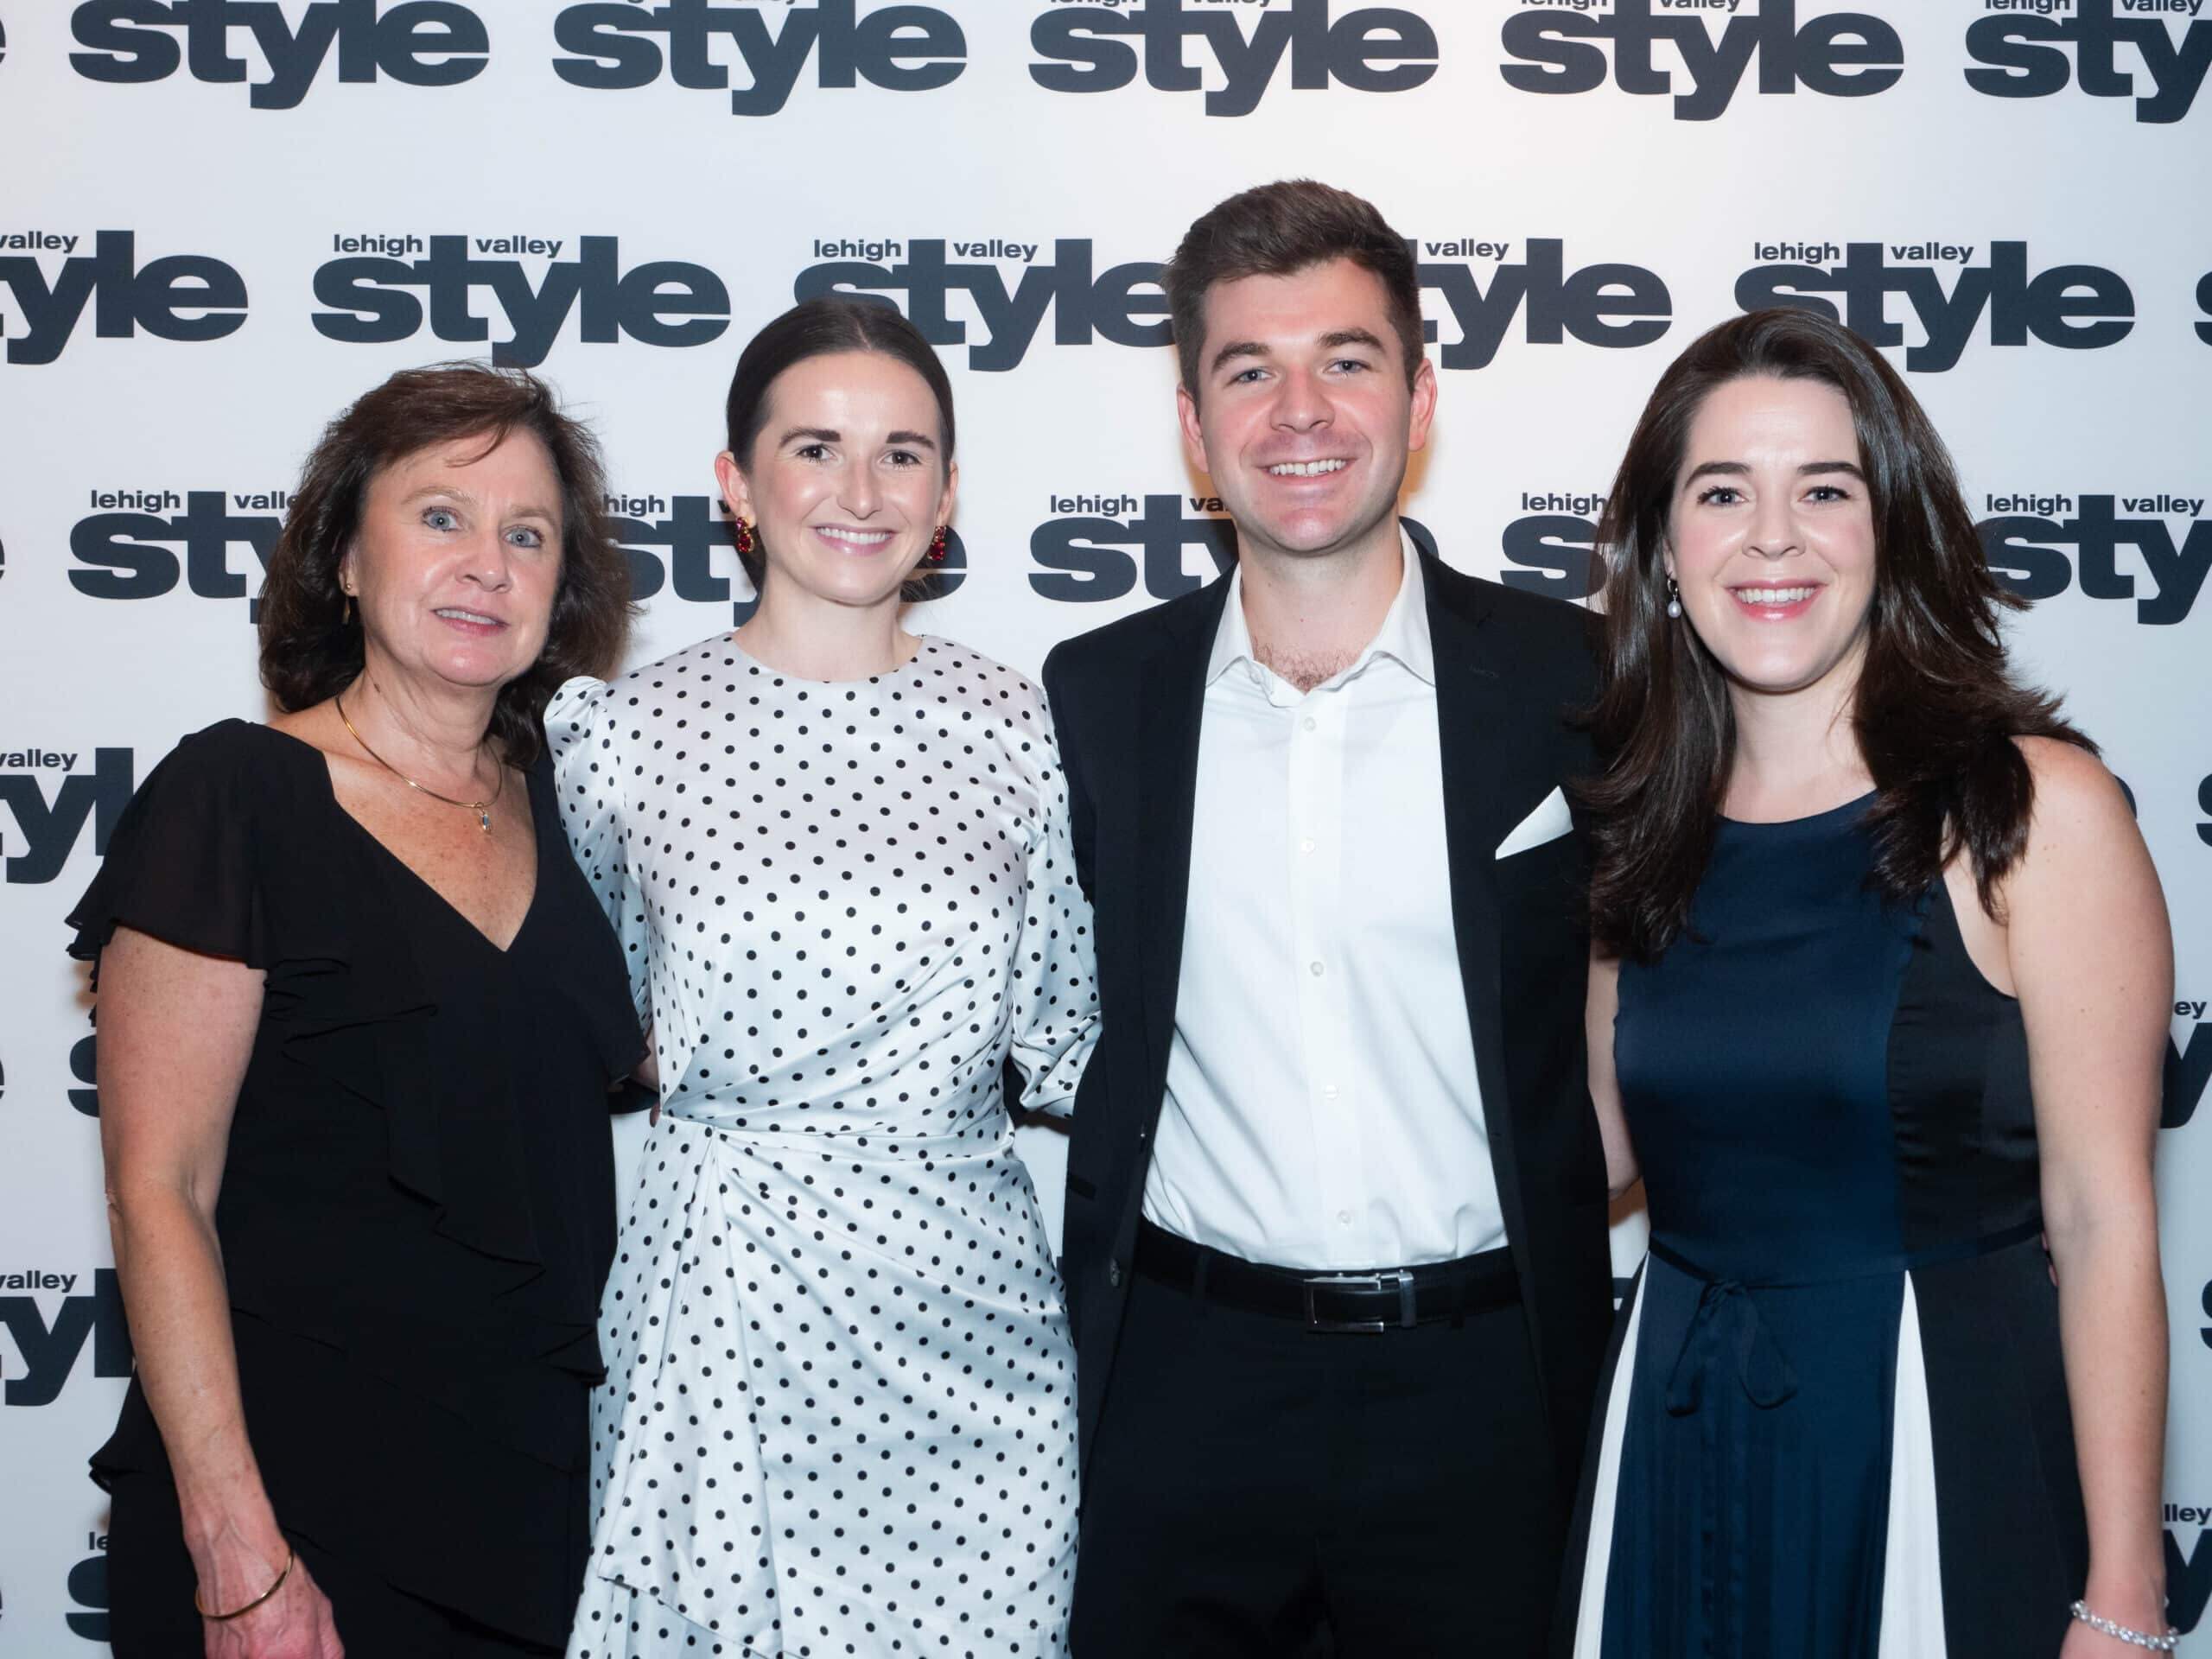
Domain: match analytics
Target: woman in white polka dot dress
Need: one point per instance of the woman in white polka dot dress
(840, 1411)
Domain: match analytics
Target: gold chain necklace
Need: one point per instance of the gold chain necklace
(481, 809)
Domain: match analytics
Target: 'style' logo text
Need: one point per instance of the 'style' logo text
(183, 297)
(1103, 49)
(901, 48)
(1838, 54)
(416, 42)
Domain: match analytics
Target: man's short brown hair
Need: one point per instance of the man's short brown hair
(1273, 230)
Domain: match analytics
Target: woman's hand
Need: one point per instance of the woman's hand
(294, 1623)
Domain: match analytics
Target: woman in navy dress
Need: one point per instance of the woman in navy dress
(1881, 1009)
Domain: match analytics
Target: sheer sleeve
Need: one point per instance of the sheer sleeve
(181, 862)
(589, 773)
(1055, 989)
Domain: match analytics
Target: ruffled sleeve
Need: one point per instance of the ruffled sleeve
(181, 863)
(588, 772)
(1055, 989)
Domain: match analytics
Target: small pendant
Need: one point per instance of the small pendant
(483, 816)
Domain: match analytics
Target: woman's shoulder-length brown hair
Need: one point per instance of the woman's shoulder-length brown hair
(1937, 709)
(311, 644)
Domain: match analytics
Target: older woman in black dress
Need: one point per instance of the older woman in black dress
(358, 1019)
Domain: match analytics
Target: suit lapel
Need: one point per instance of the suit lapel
(1171, 700)
(1474, 722)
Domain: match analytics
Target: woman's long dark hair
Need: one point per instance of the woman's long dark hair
(311, 645)
(1936, 709)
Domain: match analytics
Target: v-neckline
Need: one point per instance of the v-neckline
(538, 842)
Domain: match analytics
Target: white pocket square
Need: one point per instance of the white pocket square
(1548, 821)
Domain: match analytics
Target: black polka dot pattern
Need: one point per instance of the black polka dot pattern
(840, 1412)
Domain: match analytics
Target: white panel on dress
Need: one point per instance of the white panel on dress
(1912, 1570)
(1598, 1557)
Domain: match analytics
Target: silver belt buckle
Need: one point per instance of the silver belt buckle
(1398, 1278)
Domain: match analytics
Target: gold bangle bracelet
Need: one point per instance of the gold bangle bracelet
(240, 1612)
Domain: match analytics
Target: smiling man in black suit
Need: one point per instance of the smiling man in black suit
(1336, 1216)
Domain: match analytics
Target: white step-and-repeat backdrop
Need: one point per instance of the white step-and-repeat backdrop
(221, 219)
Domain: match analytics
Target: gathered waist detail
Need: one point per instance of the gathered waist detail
(1727, 1322)
(989, 1136)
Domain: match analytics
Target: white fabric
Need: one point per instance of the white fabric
(1321, 1108)
(1597, 1554)
(1547, 821)
(1912, 1566)
(840, 1411)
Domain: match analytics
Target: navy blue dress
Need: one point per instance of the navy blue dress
(1836, 1423)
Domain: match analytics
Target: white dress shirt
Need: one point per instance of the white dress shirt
(1321, 1107)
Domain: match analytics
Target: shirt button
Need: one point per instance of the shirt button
(1311, 723)
(1315, 968)
(1306, 845)
(1343, 1217)
(1328, 1091)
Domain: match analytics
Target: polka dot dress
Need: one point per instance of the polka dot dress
(840, 1412)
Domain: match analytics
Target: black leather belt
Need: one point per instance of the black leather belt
(1385, 1298)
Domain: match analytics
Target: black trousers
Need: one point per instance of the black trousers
(1256, 1489)
(150, 1580)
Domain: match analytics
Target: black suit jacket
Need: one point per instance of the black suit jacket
(1126, 699)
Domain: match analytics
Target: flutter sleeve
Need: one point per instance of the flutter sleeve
(1055, 977)
(181, 863)
(589, 773)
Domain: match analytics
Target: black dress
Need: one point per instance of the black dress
(1837, 1424)
(417, 1207)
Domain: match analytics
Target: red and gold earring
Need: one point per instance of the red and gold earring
(936, 554)
(743, 535)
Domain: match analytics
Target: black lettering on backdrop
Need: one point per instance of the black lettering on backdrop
(50, 1351)
(48, 830)
(88, 1589)
(2078, 308)
(132, 555)
(1109, 305)
(84, 1065)
(1372, 49)
(2025, 552)
(900, 48)
(1084, 557)
(1610, 305)
(2025, 57)
(2187, 1068)
(1553, 553)
(1840, 55)
(2188, 1578)
(181, 297)
(374, 300)
(417, 42)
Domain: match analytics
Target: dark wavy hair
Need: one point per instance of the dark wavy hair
(311, 648)
(1273, 230)
(1936, 709)
(821, 327)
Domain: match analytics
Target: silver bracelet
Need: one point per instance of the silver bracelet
(2167, 1643)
